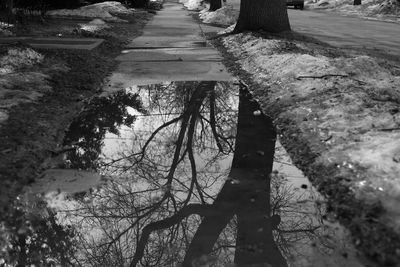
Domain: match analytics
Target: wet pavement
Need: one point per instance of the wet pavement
(185, 171)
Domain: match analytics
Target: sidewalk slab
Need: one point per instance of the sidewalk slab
(152, 43)
(171, 48)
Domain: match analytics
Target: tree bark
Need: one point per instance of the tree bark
(10, 7)
(267, 15)
(215, 4)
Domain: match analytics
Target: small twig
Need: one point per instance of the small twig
(389, 129)
(321, 77)
(6, 151)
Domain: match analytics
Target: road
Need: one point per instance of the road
(347, 32)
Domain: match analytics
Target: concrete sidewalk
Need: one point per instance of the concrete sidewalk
(172, 48)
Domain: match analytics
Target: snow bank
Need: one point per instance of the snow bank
(105, 11)
(345, 108)
(226, 15)
(379, 9)
(192, 4)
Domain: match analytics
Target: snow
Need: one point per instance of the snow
(387, 10)
(105, 11)
(94, 25)
(344, 106)
(192, 4)
(226, 15)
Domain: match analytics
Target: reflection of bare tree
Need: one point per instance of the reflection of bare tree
(245, 195)
(168, 211)
(167, 187)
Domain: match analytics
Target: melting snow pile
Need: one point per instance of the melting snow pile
(383, 9)
(192, 4)
(105, 11)
(346, 107)
(226, 15)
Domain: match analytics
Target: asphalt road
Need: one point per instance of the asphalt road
(347, 32)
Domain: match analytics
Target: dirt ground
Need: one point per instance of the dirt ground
(35, 127)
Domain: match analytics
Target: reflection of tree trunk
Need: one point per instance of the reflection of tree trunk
(255, 138)
(357, 2)
(247, 194)
(254, 241)
(215, 4)
(205, 237)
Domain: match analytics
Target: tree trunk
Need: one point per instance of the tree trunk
(215, 4)
(267, 15)
(357, 2)
(10, 7)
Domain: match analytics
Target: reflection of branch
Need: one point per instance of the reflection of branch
(115, 239)
(219, 136)
(199, 209)
(143, 150)
(156, 131)
(310, 230)
(212, 120)
(192, 160)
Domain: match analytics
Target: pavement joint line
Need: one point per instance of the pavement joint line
(161, 47)
(173, 60)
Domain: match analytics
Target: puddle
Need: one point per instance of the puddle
(192, 174)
